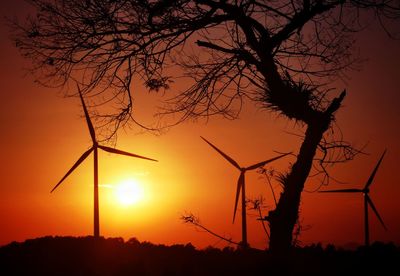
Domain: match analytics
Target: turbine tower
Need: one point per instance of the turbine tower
(94, 149)
(367, 199)
(241, 186)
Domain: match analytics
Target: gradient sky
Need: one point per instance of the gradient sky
(43, 134)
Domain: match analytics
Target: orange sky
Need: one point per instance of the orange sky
(42, 135)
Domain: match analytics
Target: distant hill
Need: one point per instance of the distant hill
(74, 256)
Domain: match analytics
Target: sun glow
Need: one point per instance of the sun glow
(129, 192)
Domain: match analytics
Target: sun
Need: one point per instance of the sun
(129, 192)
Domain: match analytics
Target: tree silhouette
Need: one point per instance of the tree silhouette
(283, 55)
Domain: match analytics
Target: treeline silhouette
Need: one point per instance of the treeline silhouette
(113, 256)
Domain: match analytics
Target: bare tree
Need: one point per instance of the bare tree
(280, 54)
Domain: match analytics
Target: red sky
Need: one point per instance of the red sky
(43, 134)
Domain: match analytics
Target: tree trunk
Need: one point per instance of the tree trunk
(283, 219)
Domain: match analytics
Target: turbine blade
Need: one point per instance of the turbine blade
(342, 191)
(375, 211)
(255, 166)
(89, 122)
(230, 160)
(117, 151)
(371, 178)
(239, 187)
(77, 163)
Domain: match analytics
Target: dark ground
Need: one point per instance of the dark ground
(87, 256)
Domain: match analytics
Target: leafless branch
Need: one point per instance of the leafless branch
(191, 219)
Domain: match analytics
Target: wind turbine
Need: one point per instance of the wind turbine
(94, 149)
(241, 186)
(367, 199)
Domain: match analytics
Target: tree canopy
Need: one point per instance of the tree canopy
(230, 49)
